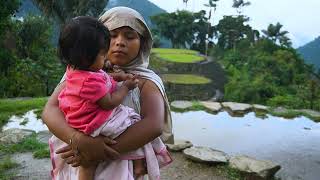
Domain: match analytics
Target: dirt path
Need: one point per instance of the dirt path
(181, 168)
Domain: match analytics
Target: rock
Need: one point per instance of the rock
(205, 154)
(213, 106)
(263, 169)
(311, 113)
(179, 145)
(237, 108)
(280, 110)
(44, 136)
(14, 135)
(181, 104)
(30, 168)
(259, 107)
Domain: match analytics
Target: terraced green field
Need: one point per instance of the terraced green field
(185, 79)
(178, 55)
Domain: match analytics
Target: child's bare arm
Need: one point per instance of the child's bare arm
(110, 101)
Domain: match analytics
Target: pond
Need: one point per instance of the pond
(293, 143)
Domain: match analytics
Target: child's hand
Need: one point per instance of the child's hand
(121, 76)
(131, 82)
(139, 168)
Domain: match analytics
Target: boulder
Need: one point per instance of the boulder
(44, 136)
(14, 135)
(205, 154)
(261, 168)
(258, 107)
(181, 104)
(179, 145)
(212, 106)
(237, 108)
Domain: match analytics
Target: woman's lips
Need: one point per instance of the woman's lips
(118, 52)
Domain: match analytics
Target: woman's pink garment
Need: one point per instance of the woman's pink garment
(155, 152)
(78, 99)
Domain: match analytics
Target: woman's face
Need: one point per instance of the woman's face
(124, 46)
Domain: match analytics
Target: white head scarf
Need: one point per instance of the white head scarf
(122, 16)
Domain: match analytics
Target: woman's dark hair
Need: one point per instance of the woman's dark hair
(80, 41)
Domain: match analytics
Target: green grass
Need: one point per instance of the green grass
(177, 55)
(181, 58)
(231, 173)
(29, 144)
(10, 107)
(173, 51)
(6, 164)
(185, 79)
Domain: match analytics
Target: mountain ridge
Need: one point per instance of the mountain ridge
(311, 52)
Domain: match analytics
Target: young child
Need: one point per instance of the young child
(91, 99)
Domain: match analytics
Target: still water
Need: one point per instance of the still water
(293, 143)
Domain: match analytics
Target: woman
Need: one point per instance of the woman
(130, 47)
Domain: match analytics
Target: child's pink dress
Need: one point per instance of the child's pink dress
(78, 102)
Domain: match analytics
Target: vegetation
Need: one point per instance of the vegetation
(173, 51)
(29, 144)
(185, 79)
(9, 107)
(181, 58)
(6, 164)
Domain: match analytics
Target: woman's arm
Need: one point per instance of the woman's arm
(150, 127)
(56, 122)
(137, 135)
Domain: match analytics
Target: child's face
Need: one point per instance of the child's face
(124, 46)
(100, 60)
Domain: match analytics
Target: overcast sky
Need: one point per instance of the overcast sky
(300, 18)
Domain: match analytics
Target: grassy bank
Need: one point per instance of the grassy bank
(9, 107)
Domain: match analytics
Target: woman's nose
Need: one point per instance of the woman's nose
(120, 41)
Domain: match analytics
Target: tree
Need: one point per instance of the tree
(176, 26)
(275, 34)
(230, 30)
(66, 9)
(238, 4)
(202, 36)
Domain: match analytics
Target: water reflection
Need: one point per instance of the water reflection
(28, 121)
(294, 144)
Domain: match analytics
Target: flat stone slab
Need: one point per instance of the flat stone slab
(213, 106)
(44, 136)
(14, 135)
(181, 104)
(30, 168)
(205, 154)
(262, 168)
(179, 145)
(311, 113)
(237, 106)
(259, 107)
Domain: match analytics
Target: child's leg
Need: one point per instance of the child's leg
(87, 173)
(139, 168)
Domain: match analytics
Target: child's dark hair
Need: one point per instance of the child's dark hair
(80, 41)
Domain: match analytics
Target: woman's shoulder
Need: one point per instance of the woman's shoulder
(148, 87)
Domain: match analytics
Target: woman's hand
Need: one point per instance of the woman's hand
(80, 151)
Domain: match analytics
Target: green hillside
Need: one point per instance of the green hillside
(145, 7)
(311, 52)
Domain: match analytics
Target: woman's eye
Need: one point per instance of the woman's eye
(131, 36)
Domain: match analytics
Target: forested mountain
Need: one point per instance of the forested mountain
(145, 7)
(311, 52)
